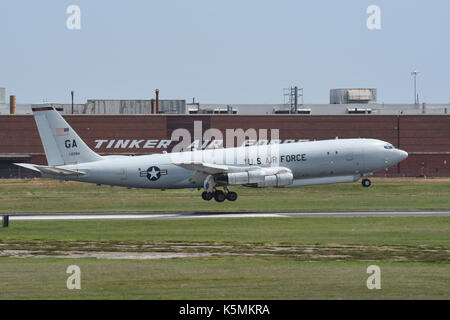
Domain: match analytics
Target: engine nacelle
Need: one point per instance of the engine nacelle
(257, 178)
(277, 180)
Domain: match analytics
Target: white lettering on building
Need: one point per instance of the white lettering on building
(165, 144)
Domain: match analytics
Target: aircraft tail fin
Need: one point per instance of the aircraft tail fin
(61, 143)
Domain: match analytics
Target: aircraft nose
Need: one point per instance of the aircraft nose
(402, 155)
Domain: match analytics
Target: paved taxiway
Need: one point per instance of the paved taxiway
(196, 215)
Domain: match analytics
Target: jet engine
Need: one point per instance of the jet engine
(257, 178)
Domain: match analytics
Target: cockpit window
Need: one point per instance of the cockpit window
(389, 146)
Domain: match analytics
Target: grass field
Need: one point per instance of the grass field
(265, 258)
(243, 258)
(219, 278)
(407, 231)
(41, 195)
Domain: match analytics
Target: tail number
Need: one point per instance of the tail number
(70, 144)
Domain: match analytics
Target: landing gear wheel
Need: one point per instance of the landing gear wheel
(219, 196)
(232, 196)
(366, 183)
(207, 195)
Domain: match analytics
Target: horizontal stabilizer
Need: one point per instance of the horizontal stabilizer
(28, 166)
(54, 171)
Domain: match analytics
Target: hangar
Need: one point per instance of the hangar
(135, 127)
(424, 137)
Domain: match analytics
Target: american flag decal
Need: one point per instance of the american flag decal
(62, 131)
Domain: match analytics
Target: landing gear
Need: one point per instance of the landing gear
(232, 196)
(209, 185)
(219, 195)
(207, 195)
(366, 183)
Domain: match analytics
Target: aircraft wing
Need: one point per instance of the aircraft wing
(54, 171)
(255, 175)
(203, 169)
(206, 168)
(209, 168)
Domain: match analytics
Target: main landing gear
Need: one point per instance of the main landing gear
(366, 183)
(219, 195)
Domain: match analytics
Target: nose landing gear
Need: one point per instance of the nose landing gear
(366, 183)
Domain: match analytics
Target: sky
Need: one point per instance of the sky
(227, 52)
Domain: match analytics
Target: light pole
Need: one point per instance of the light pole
(415, 74)
(71, 93)
(448, 100)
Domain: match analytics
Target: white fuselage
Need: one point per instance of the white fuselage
(314, 162)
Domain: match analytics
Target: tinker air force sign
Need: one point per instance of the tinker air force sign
(182, 139)
(166, 144)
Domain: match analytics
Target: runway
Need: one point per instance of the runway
(216, 215)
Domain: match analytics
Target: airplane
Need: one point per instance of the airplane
(273, 165)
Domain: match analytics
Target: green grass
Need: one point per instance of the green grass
(414, 231)
(411, 252)
(247, 258)
(42, 195)
(219, 278)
